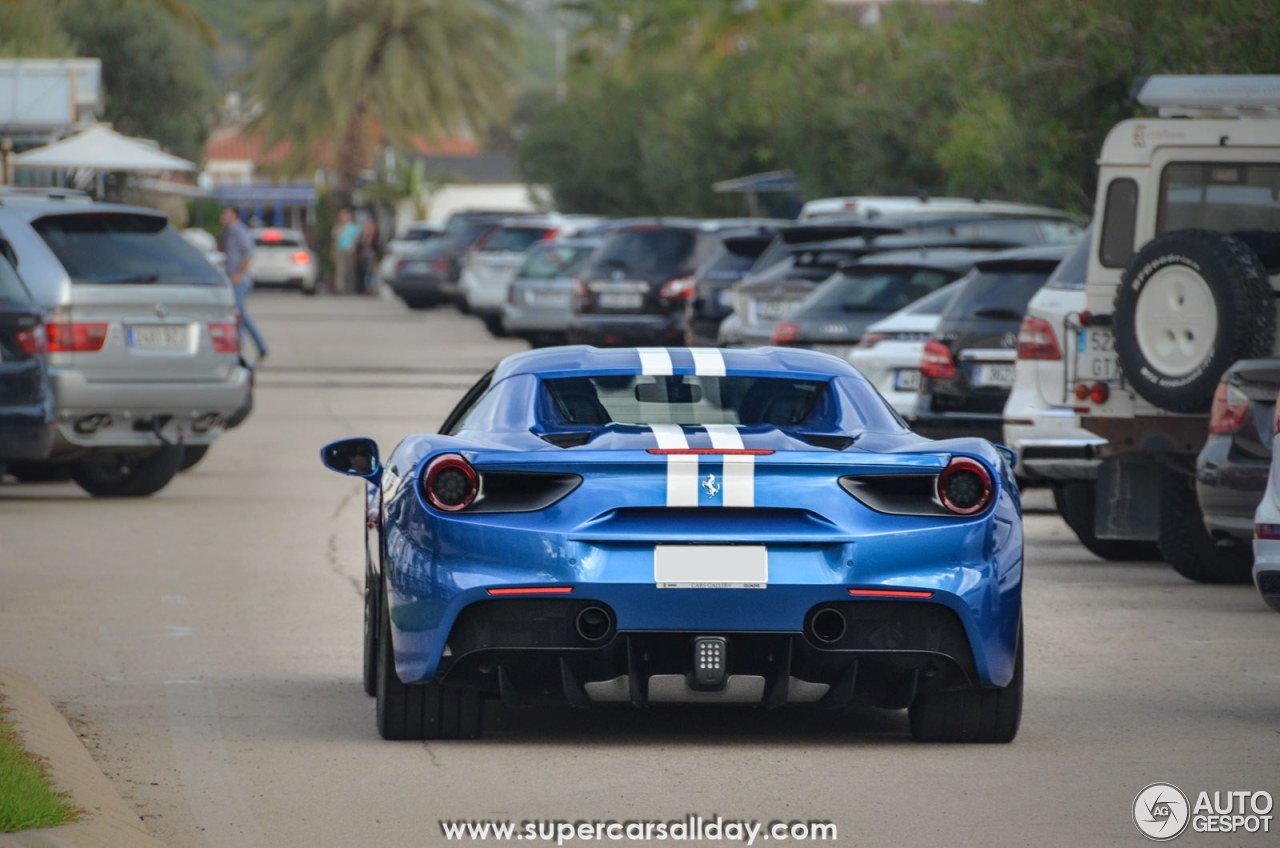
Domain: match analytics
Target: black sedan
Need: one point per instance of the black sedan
(26, 402)
(967, 368)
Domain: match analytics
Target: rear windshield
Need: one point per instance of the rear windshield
(688, 399)
(1220, 196)
(867, 289)
(936, 303)
(1070, 273)
(648, 252)
(1000, 293)
(11, 288)
(555, 260)
(727, 264)
(514, 239)
(124, 248)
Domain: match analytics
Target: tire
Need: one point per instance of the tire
(976, 714)
(372, 626)
(1076, 502)
(1191, 303)
(421, 710)
(493, 323)
(1187, 545)
(191, 456)
(125, 475)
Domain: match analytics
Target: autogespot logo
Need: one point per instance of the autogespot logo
(1161, 812)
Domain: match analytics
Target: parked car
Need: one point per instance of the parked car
(492, 262)
(538, 307)
(671, 526)
(418, 273)
(449, 249)
(764, 303)
(712, 299)
(967, 367)
(410, 237)
(1266, 529)
(1232, 467)
(282, 258)
(141, 333)
(834, 316)
(635, 288)
(888, 354)
(26, 399)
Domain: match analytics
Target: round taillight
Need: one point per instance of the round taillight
(1099, 392)
(964, 486)
(1082, 392)
(451, 484)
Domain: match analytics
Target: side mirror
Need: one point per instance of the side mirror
(353, 457)
(7, 251)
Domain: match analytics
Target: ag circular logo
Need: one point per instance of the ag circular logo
(1161, 811)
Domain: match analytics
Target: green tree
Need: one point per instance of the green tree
(337, 76)
(32, 30)
(155, 80)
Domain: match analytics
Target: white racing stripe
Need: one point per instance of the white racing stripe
(707, 361)
(739, 471)
(655, 361)
(682, 469)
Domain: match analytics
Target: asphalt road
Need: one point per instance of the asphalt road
(206, 643)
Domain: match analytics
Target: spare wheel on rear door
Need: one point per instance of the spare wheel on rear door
(1190, 304)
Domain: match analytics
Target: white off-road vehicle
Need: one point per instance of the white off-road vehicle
(1183, 272)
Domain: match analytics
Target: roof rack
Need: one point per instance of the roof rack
(1224, 96)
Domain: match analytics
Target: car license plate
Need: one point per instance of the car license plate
(711, 566)
(546, 299)
(725, 298)
(620, 300)
(998, 374)
(775, 310)
(1096, 355)
(159, 336)
(906, 380)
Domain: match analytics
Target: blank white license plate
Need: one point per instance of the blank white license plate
(546, 299)
(159, 336)
(994, 374)
(775, 310)
(711, 566)
(906, 380)
(620, 300)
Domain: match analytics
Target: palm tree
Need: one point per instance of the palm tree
(334, 76)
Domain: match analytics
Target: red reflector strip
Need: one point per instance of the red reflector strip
(710, 451)
(1266, 531)
(889, 593)
(533, 590)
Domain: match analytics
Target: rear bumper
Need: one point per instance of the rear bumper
(419, 286)
(623, 330)
(523, 319)
(1229, 488)
(135, 412)
(26, 431)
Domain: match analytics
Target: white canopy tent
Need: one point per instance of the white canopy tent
(102, 149)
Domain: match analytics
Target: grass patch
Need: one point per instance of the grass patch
(27, 798)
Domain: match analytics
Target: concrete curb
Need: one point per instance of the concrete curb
(106, 821)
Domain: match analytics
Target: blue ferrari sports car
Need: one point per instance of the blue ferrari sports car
(682, 525)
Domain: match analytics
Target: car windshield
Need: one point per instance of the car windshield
(513, 239)
(1000, 291)
(870, 289)
(124, 248)
(553, 260)
(646, 251)
(11, 288)
(688, 399)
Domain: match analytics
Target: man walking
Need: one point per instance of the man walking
(237, 244)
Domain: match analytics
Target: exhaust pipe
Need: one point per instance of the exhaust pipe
(594, 624)
(91, 423)
(827, 626)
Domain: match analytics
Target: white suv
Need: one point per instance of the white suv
(141, 333)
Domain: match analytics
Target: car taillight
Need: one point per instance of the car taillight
(32, 340)
(301, 257)
(964, 486)
(224, 337)
(1275, 416)
(580, 295)
(785, 332)
(1036, 340)
(936, 362)
(441, 266)
(73, 337)
(1267, 531)
(679, 288)
(870, 340)
(550, 235)
(450, 483)
(1230, 409)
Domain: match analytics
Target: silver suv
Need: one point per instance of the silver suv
(141, 331)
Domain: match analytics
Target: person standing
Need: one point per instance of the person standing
(237, 244)
(367, 257)
(346, 234)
